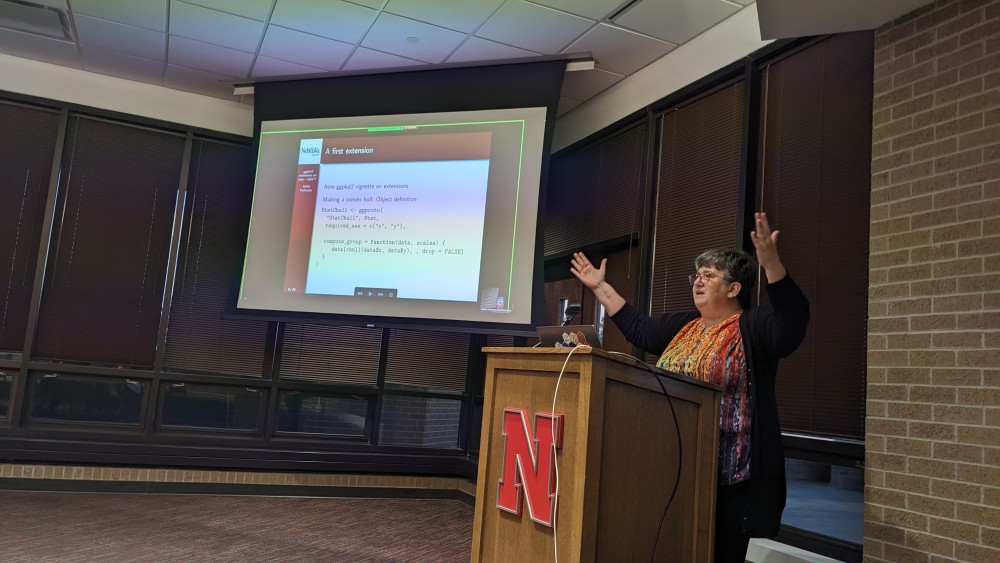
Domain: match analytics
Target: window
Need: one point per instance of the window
(198, 338)
(330, 354)
(426, 422)
(211, 407)
(103, 288)
(596, 192)
(406, 364)
(57, 397)
(697, 191)
(313, 413)
(26, 149)
(825, 499)
(5, 386)
(815, 179)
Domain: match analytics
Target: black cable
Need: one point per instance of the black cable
(680, 464)
(680, 454)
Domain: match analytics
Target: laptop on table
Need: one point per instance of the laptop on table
(568, 336)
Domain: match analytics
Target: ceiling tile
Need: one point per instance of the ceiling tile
(208, 58)
(199, 82)
(58, 4)
(376, 4)
(39, 48)
(593, 9)
(331, 18)
(532, 27)
(585, 84)
(463, 16)
(304, 49)
(679, 21)
(113, 63)
(619, 50)
(266, 66)
(217, 28)
(364, 59)
(150, 14)
(134, 41)
(477, 49)
(254, 9)
(392, 34)
(566, 105)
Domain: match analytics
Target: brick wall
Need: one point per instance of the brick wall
(933, 428)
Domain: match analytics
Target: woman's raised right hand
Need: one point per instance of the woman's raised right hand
(584, 271)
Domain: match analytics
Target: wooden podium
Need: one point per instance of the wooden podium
(618, 464)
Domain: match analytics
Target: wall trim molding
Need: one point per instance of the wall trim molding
(136, 480)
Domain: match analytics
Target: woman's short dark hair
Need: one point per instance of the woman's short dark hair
(736, 266)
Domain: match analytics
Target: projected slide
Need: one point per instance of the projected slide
(417, 216)
(397, 229)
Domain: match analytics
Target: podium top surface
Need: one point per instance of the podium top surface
(616, 357)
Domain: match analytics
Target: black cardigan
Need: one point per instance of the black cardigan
(769, 333)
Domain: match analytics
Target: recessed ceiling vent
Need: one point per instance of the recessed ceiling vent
(36, 19)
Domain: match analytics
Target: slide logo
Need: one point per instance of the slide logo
(529, 464)
(309, 151)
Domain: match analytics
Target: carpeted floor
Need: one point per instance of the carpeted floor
(63, 527)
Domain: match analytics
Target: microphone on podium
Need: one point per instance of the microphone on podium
(571, 311)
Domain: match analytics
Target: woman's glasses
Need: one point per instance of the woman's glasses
(706, 277)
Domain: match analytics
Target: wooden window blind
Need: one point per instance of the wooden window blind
(198, 338)
(697, 191)
(330, 354)
(432, 360)
(814, 184)
(103, 287)
(595, 193)
(26, 147)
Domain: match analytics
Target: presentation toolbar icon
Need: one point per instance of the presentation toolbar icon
(375, 292)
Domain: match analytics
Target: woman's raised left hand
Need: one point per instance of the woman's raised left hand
(765, 242)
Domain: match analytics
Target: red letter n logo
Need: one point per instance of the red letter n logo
(528, 464)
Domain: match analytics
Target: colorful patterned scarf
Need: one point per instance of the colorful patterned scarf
(716, 354)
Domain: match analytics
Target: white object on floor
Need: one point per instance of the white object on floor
(769, 551)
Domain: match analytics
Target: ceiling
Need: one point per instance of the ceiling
(207, 46)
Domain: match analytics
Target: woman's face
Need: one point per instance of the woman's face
(711, 291)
